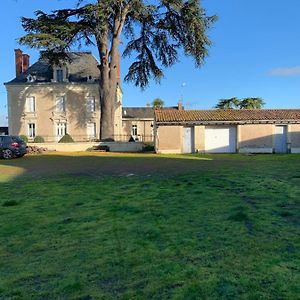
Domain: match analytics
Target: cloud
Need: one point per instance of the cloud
(291, 71)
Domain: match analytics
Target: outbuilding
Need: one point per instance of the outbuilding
(227, 131)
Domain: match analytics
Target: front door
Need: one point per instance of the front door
(280, 139)
(188, 140)
(61, 130)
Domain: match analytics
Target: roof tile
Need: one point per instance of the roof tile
(226, 115)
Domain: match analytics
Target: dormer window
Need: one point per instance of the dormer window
(31, 78)
(59, 75)
(90, 78)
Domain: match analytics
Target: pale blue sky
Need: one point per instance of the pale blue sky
(255, 53)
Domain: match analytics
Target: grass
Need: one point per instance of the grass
(150, 227)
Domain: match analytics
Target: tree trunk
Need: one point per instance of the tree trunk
(108, 76)
(108, 94)
(107, 119)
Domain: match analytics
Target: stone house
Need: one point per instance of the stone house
(138, 123)
(50, 101)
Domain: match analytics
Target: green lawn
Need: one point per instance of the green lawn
(150, 227)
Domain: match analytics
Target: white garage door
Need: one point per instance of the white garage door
(220, 139)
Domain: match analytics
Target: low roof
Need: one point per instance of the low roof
(82, 65)
(236, 116)
(142, 112)
(138, 112)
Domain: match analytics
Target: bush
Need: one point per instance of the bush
(148, 147)
(39, 139)
(24, 138)
(103, 148)
(66, 139)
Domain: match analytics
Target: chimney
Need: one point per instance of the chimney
(18, 61)
(180, 106)
(25, 62)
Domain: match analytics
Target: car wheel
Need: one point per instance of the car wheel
(7, 154)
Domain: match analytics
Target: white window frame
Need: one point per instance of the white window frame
(60, 104)
(152, 129)
(59, 74)
(31, 130)
(61, 129)
(30, 106)
(134, 130)
(91, 130)
(91, 104)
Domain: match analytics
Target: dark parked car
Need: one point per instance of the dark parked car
(12, 146)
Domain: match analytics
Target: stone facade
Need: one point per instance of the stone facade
(50, 101)
(80, 120)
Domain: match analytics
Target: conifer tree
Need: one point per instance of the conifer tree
(155, 32)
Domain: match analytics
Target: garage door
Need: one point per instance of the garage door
(220, 139)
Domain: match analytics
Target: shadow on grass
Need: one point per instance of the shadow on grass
(113, 164)
(86, 226)
(82, 163)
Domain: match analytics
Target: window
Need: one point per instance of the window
(91, 130)
(134, 131)
(31, 130)
(152, 129)
(90, 79)
(30, 104)
(60, 104)
(31, 78)
(59, 75)
(61, 129)
(91, 104)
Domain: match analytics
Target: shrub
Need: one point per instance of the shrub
(24, 138)
(148, 147)
(66, 139)
(39, 139)
(131, 139)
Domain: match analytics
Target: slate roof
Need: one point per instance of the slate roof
(83, 64)
(142, 112)
(138, 112)
(227, 116)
